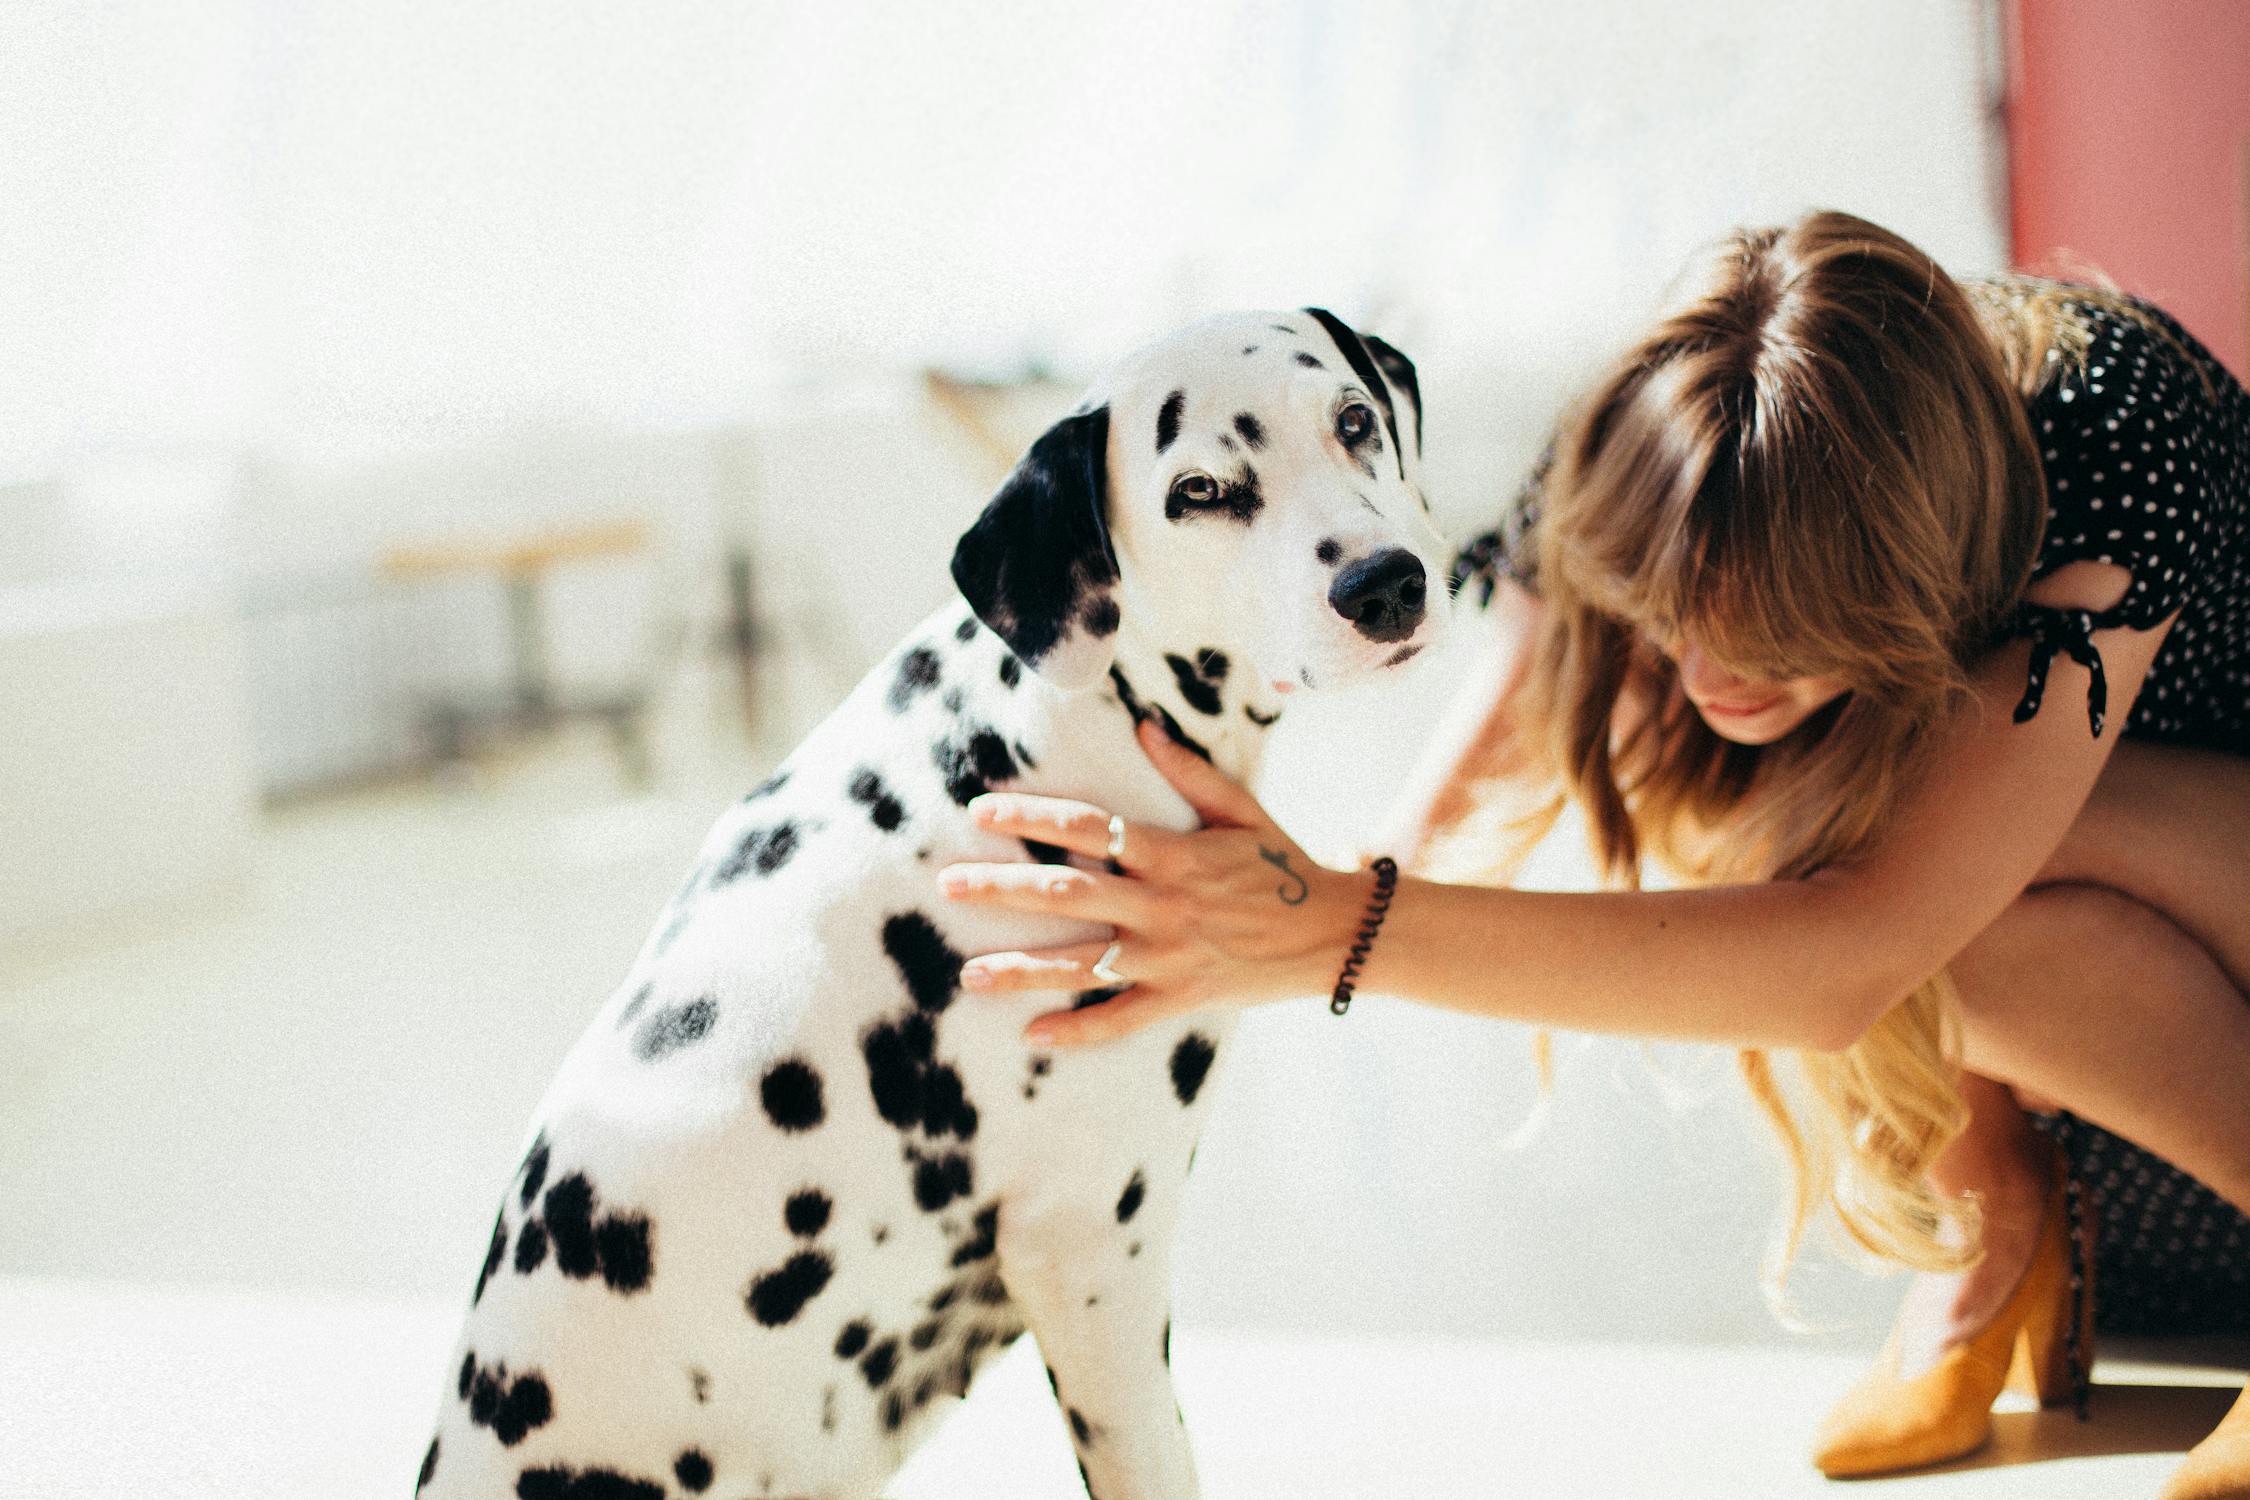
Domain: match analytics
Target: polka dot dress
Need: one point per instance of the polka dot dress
(2147, 456)
(2146, 448)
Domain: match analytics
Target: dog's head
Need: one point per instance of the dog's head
(1250, 481)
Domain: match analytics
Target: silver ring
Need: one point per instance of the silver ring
(1117, 836)
(1105, 967)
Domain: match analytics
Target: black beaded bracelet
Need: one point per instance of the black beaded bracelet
(1378, 907)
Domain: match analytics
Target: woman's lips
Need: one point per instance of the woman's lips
(1739, 710)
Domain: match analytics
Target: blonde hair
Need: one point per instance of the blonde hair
(1818, 464)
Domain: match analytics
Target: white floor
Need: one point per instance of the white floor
(109, 1392)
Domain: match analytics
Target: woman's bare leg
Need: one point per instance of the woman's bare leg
(2115, 991)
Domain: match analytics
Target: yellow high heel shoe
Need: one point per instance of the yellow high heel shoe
(1887, 1423)
(2218, 1468)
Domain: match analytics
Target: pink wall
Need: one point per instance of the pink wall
(2129, 149)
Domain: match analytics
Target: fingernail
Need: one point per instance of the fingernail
(974, 977)
(1039, 1034)
(952, 884)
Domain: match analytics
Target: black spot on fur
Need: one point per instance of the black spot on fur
(806, 1213)
(1191, 1064)
(492, 1255)
(940, 1180)
(1167, 1342)
(699, 1382)
(1157, 711)
(1168, 420)
(943, 1297)
(1328, 552)
(763, 850)
(1248, 349)
(570, 1221)
(1011, 670)
(928, 964)
(468, 1374)
(917, 674)
(767, 787)
(623, 1243)
(1200, 695)
(853, 1338)
(953, 700)
(531, 1247)
(511, 1408)
(894, 1412)
(1129, 1201)
(536, 1159)
(1078, 1427)
(616, 1245)
(1263, 721)
(883, 809)
(1252, 431)
(791, 1094)
(558, 1483)
(1046, 854)
(693, 1471)
(971, 763)
(632, 1007)
(925, 1334)
(985, 1241)
(1023, 755)
(896, 1053)
(1309, 362)
(429, 1467)
(1100, 616)
(777, 1296)
(674, 1027)
(1134, 1250)
(879, 1363)
(966, 630)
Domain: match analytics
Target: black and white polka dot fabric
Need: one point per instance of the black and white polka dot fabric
(2147, 454)
(2146, 446)
(2145, 443)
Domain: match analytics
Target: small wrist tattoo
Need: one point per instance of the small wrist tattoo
(1293, 891)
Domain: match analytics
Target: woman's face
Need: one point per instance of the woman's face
(1748, 710)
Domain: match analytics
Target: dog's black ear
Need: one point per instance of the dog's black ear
(1037, 566)
(1386, 381)
(1399, 371)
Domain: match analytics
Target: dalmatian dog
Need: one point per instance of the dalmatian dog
(790, 1190)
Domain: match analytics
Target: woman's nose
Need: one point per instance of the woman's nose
(1703, 677)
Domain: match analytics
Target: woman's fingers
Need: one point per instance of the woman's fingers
(1051, 890)
(1067, 968)
(1217, 800)
(1107, 1021)
(1079, 827)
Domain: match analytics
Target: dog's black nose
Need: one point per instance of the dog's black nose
(1382, 595)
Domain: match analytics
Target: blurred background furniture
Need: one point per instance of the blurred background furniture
(521, 565)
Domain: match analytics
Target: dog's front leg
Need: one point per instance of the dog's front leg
(1098, 1299)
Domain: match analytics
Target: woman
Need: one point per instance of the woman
(1783, 613)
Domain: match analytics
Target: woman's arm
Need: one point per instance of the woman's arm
(1437, 790)
(1806, 963)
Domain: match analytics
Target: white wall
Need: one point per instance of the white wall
(395, 262)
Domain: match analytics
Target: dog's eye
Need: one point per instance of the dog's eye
(1355, 424)
(1195, 489)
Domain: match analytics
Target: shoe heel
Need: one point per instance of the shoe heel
(2043, 1363)
(2040, 1366)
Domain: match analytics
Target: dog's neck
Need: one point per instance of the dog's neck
(1205, 696)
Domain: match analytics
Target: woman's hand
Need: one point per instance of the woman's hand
(1233, 912)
